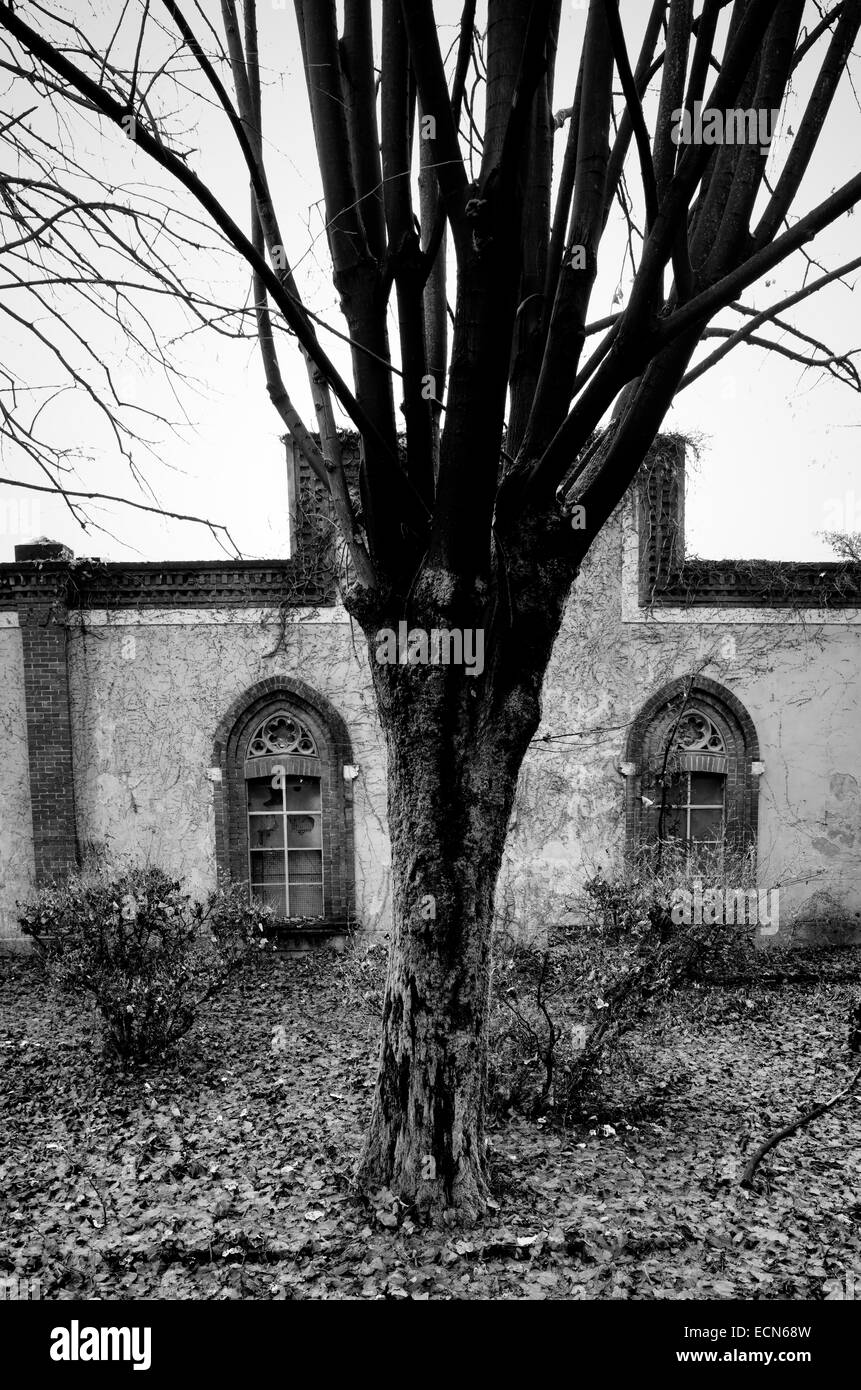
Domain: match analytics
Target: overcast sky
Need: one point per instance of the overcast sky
(779, 445)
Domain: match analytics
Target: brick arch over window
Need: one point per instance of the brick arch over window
(737, 748)
(334, 751)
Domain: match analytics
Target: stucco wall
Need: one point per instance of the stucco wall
(148, 692)
(798, 675)
(149, 689)
(16, 826)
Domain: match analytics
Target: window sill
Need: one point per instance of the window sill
(296, 935)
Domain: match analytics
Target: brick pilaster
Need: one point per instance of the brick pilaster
(49, 737)
(661, 484)
(312, 515)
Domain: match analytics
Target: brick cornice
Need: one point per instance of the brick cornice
(83, 585)
(757, 584)
(668, 578)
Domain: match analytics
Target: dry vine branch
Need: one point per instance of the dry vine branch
(780, 1134)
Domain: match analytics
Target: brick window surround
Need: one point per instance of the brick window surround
(644, 753)
(335, 752)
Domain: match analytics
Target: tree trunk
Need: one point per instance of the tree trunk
(448, 826)
(455, 743)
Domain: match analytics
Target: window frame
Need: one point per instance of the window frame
(687, 806)
(278, 782)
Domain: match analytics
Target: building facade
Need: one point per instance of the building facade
(220, 716)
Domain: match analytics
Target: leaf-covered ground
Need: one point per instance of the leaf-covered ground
(227, 1173)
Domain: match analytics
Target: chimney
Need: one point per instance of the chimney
(661, 506)
(43, 549)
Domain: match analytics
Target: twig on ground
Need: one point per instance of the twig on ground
(780, 1134)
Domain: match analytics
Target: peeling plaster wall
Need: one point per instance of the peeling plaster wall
(798, 675)
(147, 697)
(16, 824)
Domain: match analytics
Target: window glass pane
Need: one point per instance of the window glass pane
(273, 897)
(675, 791)
(706, 825)
(306, 902)
(262, 796)
(267, 866)
(266, 832)
(675, 822)
(304, 866)
(302, 793)
(706, 789)
(304, 832)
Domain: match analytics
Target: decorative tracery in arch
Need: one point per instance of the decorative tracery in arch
(698, 734)
(282, 733)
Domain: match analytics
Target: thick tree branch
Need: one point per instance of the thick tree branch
(645, 70)
(669, 225)
(357, 61)
(566, 334)
(635, 110)
(816, 33)
(812, 121)
(404, 255)
(358, 279)
(433, 211)
(719, 295)
(428, 67)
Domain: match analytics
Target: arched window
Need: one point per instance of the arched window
(693, 782)
(283, 808)
(285, 817)
(691, 763)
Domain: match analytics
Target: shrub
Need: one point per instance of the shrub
(363, 974)
(561, 1009)
(524, 1036)
(148, 954)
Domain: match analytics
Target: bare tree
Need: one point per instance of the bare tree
(845, 544)
(464, 519)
